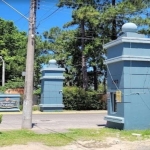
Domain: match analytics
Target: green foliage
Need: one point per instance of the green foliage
(12, 49)
(21, 107)
(75, 98)
(1, 116)
(13, 45)
(102, 21)
(36, 108)
(37, 92)
(41, 57)
(12, 84)
(101, 88)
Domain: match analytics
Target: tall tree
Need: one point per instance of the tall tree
(114, 26)
(63, 47)
(12, 49)
(97, 22)
(84, 14)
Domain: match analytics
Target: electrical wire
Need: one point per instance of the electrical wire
(57, 10)
(47, 17)
(130, 75)
(144, 101)
(148, 68)
(21, 17)
(63, 135)
(112, 78)
(108, 18)
(118, 87)
(47, 12)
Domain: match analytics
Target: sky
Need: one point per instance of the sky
(47, 8)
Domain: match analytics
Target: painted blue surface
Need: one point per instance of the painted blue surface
(10, 97)
(130, 49)
(132, 78)
(51, 88)
(52, 73)
(115, 51)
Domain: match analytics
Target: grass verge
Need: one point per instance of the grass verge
(61, 139)
(1, 116)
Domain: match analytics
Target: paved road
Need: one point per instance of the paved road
(56, 122)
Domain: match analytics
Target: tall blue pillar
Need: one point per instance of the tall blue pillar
(51, 88)
(128, 81)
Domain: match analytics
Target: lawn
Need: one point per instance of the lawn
(61, 139)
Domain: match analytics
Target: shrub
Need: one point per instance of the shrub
(1, 118)
(35, 108)
(75, 98)
(12, 84)
(21, 107)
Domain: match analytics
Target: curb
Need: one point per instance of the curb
(63, 112)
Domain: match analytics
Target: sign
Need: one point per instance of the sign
(118, 96)
(8, 103)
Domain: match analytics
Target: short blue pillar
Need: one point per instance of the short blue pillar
(128, 69)
(9, 102)
(51, 88)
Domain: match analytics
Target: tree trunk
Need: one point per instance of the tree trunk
(95, 78)
(84, 68)
(114, 25)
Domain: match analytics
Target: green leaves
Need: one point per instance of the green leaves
(13, 45)
(87, 13)
(103, 21)
(75, 98)
(12, 49)
(12, 84)
(1, 116)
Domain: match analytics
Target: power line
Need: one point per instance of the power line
(15, 10)
(21, 17)
(47, 11)
(47, 3)
(47, 17)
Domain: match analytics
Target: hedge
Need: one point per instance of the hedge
(75, 98)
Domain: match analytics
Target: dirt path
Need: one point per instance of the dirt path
(111, 144)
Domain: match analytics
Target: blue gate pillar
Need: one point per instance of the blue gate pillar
(128, 80)
(51, 88)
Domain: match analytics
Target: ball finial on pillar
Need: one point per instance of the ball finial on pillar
(129, 27)
(52, 63)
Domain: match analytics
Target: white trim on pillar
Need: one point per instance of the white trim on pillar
(127, 40)
(127, 58)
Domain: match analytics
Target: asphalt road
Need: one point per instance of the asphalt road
(55, 122)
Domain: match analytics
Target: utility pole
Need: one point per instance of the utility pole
(28, 89)
(84, 69)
